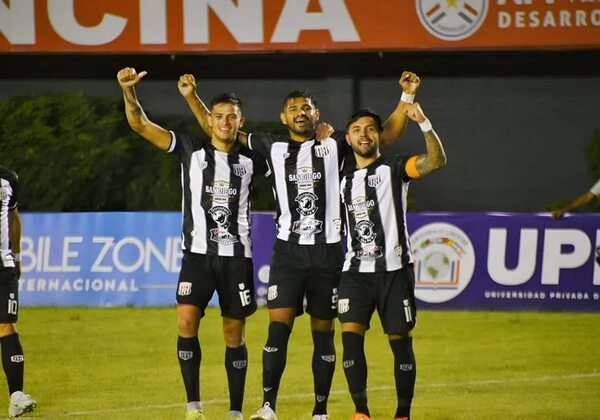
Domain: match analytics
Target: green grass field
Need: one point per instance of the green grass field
(121, 364)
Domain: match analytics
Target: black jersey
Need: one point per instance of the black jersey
(305, 181)
(216, 196)
(9, 188)
(375, 202)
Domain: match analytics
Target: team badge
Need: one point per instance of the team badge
(343, 306)
(452, 20)
(185, 355)
(365, 232)
(239, 169)
(185, 288)
(239, 364)
(203, 165)
(321, 151)
(373, 181)
(272, 293)
(307, 203)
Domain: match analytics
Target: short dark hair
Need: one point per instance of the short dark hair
(365, 112)
(307, 94)
(226, 98)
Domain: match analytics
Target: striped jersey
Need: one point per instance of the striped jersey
(9, 187)
(305, 181)
(216, 196)
(375, 208)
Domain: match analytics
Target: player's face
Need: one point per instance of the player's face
(363, 137)
(300, 116)
(225, 121)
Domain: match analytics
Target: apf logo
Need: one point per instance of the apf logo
(444, 262)
(451, 20)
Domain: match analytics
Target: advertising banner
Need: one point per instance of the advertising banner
(183, 26)
(463, 260)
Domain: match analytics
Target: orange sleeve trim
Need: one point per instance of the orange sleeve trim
(411, 168)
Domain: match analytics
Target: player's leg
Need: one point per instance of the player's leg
(398, 315)
(12, 352)
(323, 363)
(355, 308)
(194, 290)
(236, 363)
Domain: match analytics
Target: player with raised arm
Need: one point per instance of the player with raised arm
(216, 183)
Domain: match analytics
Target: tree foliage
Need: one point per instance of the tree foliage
(74, 152)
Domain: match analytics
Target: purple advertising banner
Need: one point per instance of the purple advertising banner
(463, 260)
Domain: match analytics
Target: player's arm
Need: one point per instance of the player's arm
(187, 89)
(435, 158)
(396, 122)
(136, 117)
(14, 221)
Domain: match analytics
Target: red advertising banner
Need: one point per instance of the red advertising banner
(183, 26)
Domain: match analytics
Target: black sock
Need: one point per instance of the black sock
(355, 369)
(13, 362)
(274, 359)
(405, 373)
(323, 367)
(190, 356)
(236, 364)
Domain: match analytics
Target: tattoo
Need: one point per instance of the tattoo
(435, 157)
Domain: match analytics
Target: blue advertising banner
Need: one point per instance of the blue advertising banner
(463, 260)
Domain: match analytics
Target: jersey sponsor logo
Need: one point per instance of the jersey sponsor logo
(221, 191)
(17, 358)
(185, 288)
(321, 151)
(305, 178)
(203, 165)
(398, 250)
(220, 216)
(360, 207)
(223, 236)
(329, 358)
(307, 227)
(444, 261)
(452, 20)
(337, 224)
(368, 254)
(343, 306)
(3, 193)
(365, 232)
(272, 293)
(239, 364)
(185, 355)
(239, 169)
(373, 181)
(307, 203)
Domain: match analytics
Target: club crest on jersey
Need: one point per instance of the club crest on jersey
(203, 165)
(239, 169)
(321, 151)
(343, 306)
(365, 232)
(368, 254)
(307, 227)
(373, 181)
(307, 203)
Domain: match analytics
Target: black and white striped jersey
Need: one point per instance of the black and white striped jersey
(9, 188)
(305, 181)
(216, 196)
(375, 208)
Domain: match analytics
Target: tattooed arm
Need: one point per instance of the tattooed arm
(136, 117)
(435, 158)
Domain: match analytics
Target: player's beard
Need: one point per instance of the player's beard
(307, 132)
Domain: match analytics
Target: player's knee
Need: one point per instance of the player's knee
(7, 329)
(233, 335)
(187, 325)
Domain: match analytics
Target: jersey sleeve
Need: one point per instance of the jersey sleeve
(261, 142)
(182, 144)
(14, 198)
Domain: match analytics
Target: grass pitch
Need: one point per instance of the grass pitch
(121, 363)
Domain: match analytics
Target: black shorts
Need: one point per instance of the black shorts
(392, 293)
(311, 271)
(9, 295)
(231, 277)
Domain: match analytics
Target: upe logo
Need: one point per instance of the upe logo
(444, 262)
(451, 20)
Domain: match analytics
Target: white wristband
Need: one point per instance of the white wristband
(407, 97)
(17, 256)
(425, 126)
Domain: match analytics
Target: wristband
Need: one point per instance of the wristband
(407, 97)
(17, 256)
(425, 126)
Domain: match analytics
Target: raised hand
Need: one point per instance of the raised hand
(415, 113)
(128, 77)
(409, 82)
(186, 85)
(323, 131)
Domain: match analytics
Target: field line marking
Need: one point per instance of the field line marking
(333, 392)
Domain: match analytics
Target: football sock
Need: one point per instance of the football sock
(405, 373)
(274, 359)
(236, 364)
(13, 361)
(190, 355)
(355, 369)
(323, 367)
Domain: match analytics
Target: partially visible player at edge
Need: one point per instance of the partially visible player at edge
(216, 183)
(10, 270)
(308, 253)
(378, 271)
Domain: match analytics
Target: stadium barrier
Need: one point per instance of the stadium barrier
(463, 260)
